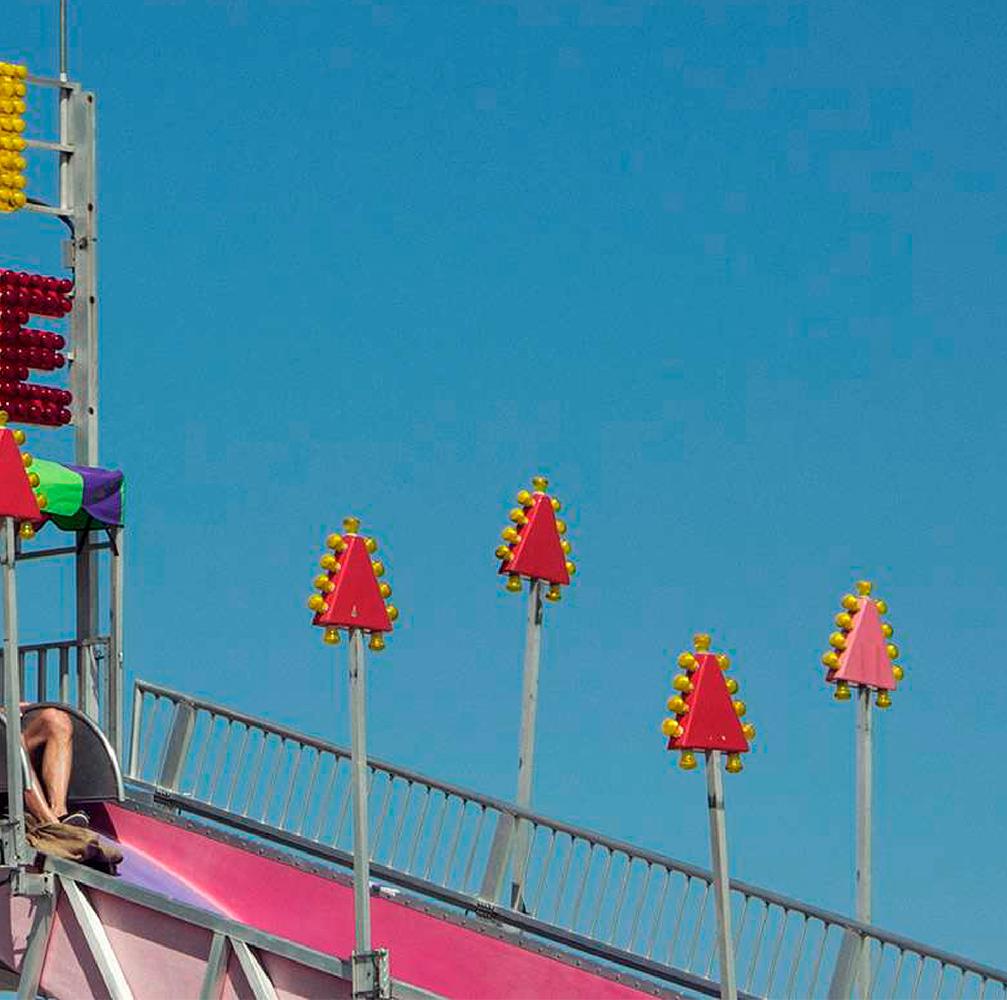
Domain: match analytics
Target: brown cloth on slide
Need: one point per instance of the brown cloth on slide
(72, 843)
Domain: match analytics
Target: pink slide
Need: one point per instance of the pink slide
(161, 955)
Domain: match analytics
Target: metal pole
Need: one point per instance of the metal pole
(864, 809)
(721, 883)
(62, 41)
(79, 189)
(15, 848)
(358, 750)
(114, 689)
(526, 743)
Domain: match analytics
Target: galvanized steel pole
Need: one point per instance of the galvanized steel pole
(15, 848)
(358, 750)
(526, 742)
(721, 877)
(864, 810)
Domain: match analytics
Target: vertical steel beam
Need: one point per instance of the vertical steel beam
(114, 690)
(526, 740)
(216, 968)
(79, 189)
(38, 944)
(177, 749)
(864, 823)
(721, 877)
(358, 750)
(14, 846)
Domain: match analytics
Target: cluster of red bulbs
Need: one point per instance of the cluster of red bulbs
(34, 294)
(22, 349)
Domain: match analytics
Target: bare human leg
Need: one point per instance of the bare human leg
(50, 731)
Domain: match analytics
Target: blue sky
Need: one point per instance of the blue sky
(731, 274)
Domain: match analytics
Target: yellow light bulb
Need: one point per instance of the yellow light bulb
(838, 640)
(43, 501)
(3, 417)
(26, 459)
(393, 612)
(733, 763)
(524, 498)
(329, 562)
(27, 530)
(843, 620)
(740, 708)
(687, 661)
(687, 762)
(514, 583)
(316, 603)
(556, 505)
(701, 641)
(723, 661)
(671, 728)
(33, 479)
(509, 534)
(561, 525)
(371, 545)
(864, 587)
(842, 692)
(323, 583)
(892, 650)
(503, 552)
(517, 515)
(571, 567)
(565, 545)
(351, 525)
(335, 542)
(331, 636)
(377, 642)
(830, 659)
(379, 568)
(897, 672)
(385, 590)
(850, 602)
(19, 437)
(748, 731)
(732, 686)
(539, 483)
(887, 630)
(553, 593)
(682, 683)
(677, 705)
(883, 700)
(882, 607)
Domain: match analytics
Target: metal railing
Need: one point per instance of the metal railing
(638, 909)
(75, 672)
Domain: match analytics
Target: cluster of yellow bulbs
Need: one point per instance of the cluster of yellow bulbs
(329, 562)
(12, 145)
(683, 685)
(518, 517)
(844, 624)
(27, 529)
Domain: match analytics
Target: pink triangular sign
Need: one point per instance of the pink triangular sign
(865, 659)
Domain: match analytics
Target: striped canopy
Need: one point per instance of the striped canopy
(80, 497)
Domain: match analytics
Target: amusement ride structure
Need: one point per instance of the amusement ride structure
(262, 862)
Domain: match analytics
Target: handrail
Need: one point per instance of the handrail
(197, 747)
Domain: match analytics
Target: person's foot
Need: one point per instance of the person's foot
(76, 818)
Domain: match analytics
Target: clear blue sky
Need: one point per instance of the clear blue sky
(731, 274)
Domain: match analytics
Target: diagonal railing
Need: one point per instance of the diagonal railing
(635, 908)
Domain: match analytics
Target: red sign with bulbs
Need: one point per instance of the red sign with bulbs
(24, 349)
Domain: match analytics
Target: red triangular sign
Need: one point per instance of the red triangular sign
(356, 602)
(865, 659)
(17, 499)
(711, 722)
(538, 553)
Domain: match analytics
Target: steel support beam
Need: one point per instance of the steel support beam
(97, 941)
(38, 944)
(15, 847)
